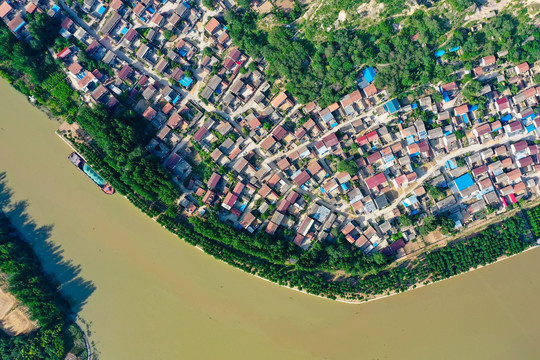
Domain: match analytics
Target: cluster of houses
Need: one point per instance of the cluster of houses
(289, 178)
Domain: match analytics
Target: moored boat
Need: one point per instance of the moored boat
(79, 162)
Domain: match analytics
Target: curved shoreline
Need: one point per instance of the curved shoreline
(380, 297)
(86, 341)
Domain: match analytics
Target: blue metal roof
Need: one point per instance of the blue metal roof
(506, 117)
(414, 106)
(445, 96)
(464, 181)
(186, 81)
(473, 108)
(454, 49)
(411, 200)
(530, 128)
(450, 165)
(102, 10)
(392, 106)
(369, 74)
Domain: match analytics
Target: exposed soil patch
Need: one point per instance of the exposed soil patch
(285, 5)
(14, 317)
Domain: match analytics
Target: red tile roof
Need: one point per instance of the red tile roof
(374, 157)
(268, 143)
(125, 72)
(213, 181)
(292, 197)
(449, 86)
(301, 178)
(167, 108)
(372, 136)
(479, 170)
(376, 180)
(149, 113)
(271, 228)
(330, 140)
(116, 4)
(5, 8)
(503, 103)
(463, 109)
(523, 67)
(200, 134)
(278, 100)
(174, 120)
(279, 132)
(362, 140)
(489, 60)
(370, 90)
(30, 8)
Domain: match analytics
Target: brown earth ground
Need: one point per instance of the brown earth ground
(14, 317)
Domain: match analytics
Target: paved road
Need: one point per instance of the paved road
(438, 164)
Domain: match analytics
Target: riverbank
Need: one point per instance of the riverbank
(421, 285)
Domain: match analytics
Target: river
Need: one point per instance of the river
(158, 298)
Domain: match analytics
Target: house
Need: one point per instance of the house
(477, 71)
(519, 147)
(212, 26)
(5, 9)
(502, 104)
(16, 24)
(213, 181)
(301, 178)
(392, 106)
(229, 201)
(348, 102)
(279, 132)
(87, 82)
(482, 130)
(271, 228)
(330, 140)
(111, 23)
(462, 183)
(513, 128)
(522, 68)
(247, 221)
(125, 72)
(279, 100)
(488, 60)
(149, 113)
(116, 5)
(268, 143)
(376, 180)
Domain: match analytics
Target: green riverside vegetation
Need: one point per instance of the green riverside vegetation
(117, 154)
(27, 282)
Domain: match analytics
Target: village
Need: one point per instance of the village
(361, 168)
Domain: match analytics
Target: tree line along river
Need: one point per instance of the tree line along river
(156, 297)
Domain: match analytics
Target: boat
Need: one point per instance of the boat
(79, 162)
